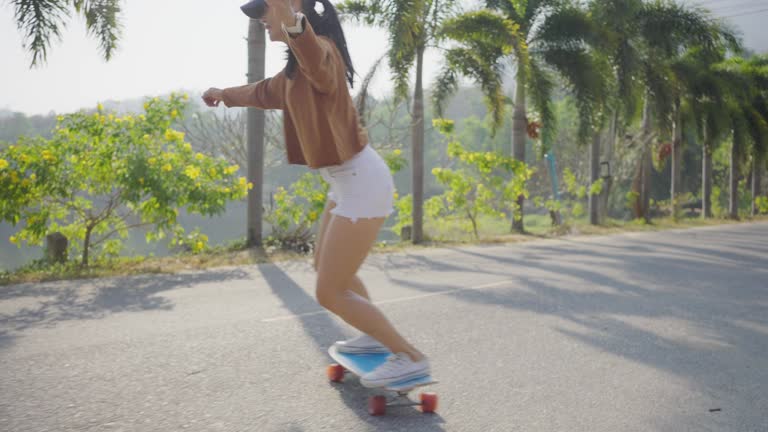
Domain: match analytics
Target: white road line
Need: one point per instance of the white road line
(396, 300)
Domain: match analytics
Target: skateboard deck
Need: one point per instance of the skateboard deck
(360, 364)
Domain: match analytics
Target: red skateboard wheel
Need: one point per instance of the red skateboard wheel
(335, 372)
(377, 405)
(428, 402)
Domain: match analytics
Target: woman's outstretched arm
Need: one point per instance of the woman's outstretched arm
(265, 94)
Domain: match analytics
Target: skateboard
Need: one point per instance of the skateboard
(360, 364)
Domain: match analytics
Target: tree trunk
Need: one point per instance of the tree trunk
(557, 218)
(519, 140)
(646, 165)
(255, 136)
(733, 207)
(87, 245)
(757, 178)
(594, 176)
(417, 138)
(677, 143)
(56, 245)
(706, 178)
(610, 144)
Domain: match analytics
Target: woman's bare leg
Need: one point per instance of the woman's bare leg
(345, 246)
(356, 285)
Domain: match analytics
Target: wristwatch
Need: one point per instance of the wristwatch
(298, 27)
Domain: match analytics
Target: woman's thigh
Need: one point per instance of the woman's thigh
(345, 246)
(325, 220)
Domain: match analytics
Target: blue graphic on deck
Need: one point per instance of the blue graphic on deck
(364, 363)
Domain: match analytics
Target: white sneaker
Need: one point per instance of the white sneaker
(399, 367)
(362, 344)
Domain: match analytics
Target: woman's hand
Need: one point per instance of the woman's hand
(213, 96)
(283, 10)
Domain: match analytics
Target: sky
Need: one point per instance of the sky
(191, 45)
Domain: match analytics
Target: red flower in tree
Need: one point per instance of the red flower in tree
(533, 129)
(665, 149)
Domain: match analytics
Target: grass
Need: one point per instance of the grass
(446, 232)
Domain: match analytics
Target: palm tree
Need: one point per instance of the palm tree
(699, 33)
(707, 92)
(40, 21)
(541, 38)
(412, 26)
(748, 108)
(758, 67)
(641, 39)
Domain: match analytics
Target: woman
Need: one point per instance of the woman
(322, 131)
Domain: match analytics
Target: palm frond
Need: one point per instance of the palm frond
(362, 95)
(440, 11)
(470, 63)
(405, 33)
(658, 82)
(484, 29)
(666, 26)
(627, 65)
(486, 39)
(370, 12)
(565, 26)
(446, 84)
(540, 87)
(508, 8)
(587, 78)
(101, 19)
(39, 21)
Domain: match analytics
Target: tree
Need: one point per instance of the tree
(412, 28)
(541, 38)
(101, 175)
(747, 111)
(481, 183)
(640, 39)
(41, 21)
(225, 134)
(707, 93)
(695, 31)
(256, 119)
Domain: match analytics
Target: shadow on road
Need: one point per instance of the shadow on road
(63, 301)
(710, 285)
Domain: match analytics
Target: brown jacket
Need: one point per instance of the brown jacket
(320, 121)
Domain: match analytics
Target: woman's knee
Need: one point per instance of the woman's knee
(329, 293)
(327, 298)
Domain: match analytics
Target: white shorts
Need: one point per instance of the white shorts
(361, 187)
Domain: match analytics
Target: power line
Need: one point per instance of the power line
(737, 5)
(759, 11)
(738, 9)
(721, 3)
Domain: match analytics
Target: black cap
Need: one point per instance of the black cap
(254, 9)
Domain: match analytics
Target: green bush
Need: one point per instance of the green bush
(479, 183)
(101, 175)
(294, 213)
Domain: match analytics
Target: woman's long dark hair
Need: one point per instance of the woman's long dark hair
(326, 24)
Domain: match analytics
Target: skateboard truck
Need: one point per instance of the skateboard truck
(377, 405)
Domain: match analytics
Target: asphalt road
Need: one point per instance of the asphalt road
(662, 331)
